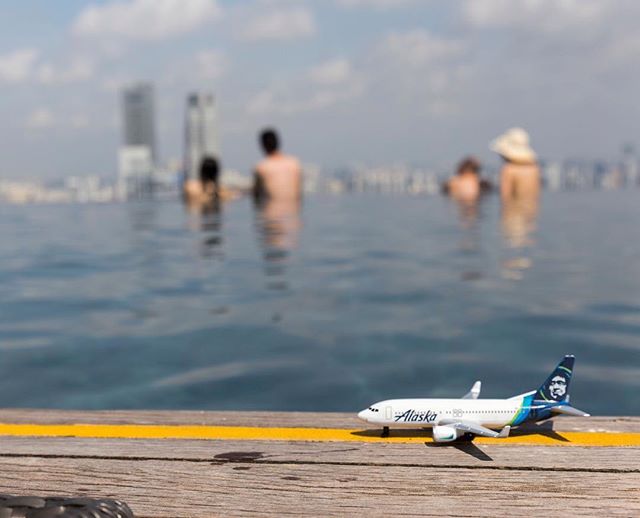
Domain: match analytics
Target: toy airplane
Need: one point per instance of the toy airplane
(468, 417)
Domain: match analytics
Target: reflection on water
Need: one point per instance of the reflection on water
(207, 218)
(121, 306)
(278, 223)
(468, 212)
(211, 226)
(518, 220)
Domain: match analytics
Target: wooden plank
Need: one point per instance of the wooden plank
(492, 456)
(176, 488)
(162, 477)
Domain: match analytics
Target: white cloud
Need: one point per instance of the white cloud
(418, 48)
(196, 71)
(25, 65)
(411, 68)
(211, 64)
(378, 4)
(418, 72)
(323, 86)
(561, 39)
(18, 66)
(80, 69)
(145, 19)
(274, 101)
(548, 15)
(279, 24)
(332, 72)
(39, 119)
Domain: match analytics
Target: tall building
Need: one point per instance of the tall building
(201, 135)
(138, 114)
(135, 172)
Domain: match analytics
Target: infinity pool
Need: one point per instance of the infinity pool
(352, 300)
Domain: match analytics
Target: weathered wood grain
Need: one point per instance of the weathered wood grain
(177, 488)
(203, 478)
(492, 456)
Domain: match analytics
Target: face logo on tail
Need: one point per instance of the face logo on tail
(558, 387)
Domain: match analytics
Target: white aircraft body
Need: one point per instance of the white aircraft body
(452, 419)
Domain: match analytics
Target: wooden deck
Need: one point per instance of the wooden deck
(541, 471)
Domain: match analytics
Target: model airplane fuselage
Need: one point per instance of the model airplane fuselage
(452, 419)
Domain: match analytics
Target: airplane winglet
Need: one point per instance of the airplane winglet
(504, 433)
(474, 392)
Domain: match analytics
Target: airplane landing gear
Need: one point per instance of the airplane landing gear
(385, 432)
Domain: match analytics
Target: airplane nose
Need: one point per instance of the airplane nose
(363, 415)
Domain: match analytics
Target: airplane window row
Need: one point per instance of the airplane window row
(491, 411)
(374, 409)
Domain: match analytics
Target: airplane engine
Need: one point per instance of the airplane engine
(446, 433)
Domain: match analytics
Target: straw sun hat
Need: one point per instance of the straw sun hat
(514, 146)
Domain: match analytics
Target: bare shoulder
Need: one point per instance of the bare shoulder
(517, 169)
(192, 188)
(295, 162)
(509, 171)
(260, 167)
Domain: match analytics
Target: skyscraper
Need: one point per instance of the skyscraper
(201, 135)
(139, 117)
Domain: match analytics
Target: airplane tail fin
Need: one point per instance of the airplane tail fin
(556, 387)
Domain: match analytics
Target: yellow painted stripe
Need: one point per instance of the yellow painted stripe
(241, 433)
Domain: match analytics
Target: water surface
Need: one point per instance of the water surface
(354, 299)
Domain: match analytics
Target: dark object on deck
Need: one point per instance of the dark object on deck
(54, 507)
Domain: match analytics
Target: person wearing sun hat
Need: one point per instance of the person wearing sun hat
(520, 175)
(519, 190)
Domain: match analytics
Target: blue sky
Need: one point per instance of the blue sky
(347, 81)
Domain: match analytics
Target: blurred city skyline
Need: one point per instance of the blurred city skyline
(347, 81)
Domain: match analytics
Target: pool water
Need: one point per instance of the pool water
(353, 299)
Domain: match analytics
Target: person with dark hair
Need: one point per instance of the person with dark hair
(278, 176)
(270, 141)
(209, 172)
(466, 186)
(206, 190)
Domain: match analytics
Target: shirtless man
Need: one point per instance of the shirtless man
(277, 176)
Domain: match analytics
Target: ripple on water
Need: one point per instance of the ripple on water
(363, 298)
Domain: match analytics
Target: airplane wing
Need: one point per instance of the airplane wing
(474, 392)
(568, 410)
(475, 428)
(560, 409)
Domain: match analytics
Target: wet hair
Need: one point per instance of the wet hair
(270, 141)
(209, 170)
(469, 164)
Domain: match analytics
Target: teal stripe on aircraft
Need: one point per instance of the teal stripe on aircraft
(523, 411)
